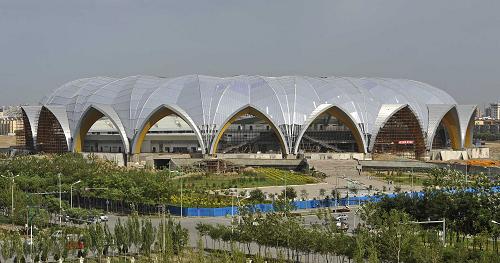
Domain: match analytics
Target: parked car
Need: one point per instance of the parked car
(93, 220)
(342, 225)
(104, 218)
(56, 234)
(342, 217)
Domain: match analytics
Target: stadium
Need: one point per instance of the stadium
(279, 117)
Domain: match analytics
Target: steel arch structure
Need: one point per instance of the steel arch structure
(289, 103)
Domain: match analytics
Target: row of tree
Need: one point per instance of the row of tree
(381, 237)
(134, 237)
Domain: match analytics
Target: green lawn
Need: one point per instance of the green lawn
(402, 178)
(260, 177)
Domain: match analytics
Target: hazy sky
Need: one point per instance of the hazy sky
(451, 44)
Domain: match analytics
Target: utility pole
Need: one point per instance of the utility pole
(60, 199)
(412, 189)
(285, 188)
(336, 193)
(181, 198)
(71, 191)
(12, 176)
(232, 212)
(163, 228)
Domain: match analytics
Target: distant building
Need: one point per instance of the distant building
(10, 123)
(495, 110)
(487, 112)
(10, 120)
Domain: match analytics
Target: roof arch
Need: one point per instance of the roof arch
(93, 113)
(437, 113)
(253, 111)
(155, 115)
(62, 117)
(348, 120)
(385, 113)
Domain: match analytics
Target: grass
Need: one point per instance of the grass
(258, 178)
(401, 178)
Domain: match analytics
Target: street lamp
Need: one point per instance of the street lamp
(60, 199)
(71, 192)
(12, 193)
(181, 198)
(286, 204)
(495, 222)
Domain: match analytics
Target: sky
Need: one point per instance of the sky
(451, 44)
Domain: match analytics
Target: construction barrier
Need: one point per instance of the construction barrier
(299, 205)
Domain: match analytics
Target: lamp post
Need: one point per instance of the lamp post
(239, 205)
(71, 192)
(466, 174)
(181, 198)
(286, 204)
(60, 198)
(12, 193)
(412, 189)
(336, 193)
(495, 222)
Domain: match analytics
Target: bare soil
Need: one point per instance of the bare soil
(494, 149)
(7, 141)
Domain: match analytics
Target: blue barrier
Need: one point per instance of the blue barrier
(228, 211)
(307, 204)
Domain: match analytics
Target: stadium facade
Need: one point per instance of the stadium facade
(253, 114)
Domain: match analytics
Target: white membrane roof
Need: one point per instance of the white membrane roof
(208, 101)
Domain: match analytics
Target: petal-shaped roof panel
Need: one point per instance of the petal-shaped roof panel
(288, 101)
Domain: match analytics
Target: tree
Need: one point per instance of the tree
(7, 248)
(122, 237)
(257, 196)
(98, 239)
(59, 245)
(148, 237)
(304, 194)
(335, 194)
(203, 230)
(134, 231)
(322, 192)
(109, 240)
(291, 194)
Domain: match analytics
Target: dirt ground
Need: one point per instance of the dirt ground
(7, 141)
(494, 149)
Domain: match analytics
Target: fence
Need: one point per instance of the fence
(127, 207)
(300, 205)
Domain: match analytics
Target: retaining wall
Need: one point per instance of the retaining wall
(337, 156)
(118, 158)
(471, 153)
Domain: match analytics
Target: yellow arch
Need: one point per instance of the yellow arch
(256, 113)
(451, 123)
(91, 116)
(157, 116)
(344, 119)
(468, 132)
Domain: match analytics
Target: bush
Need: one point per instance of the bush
(257, 196)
